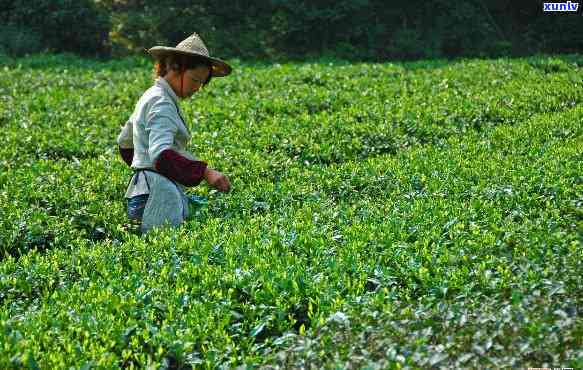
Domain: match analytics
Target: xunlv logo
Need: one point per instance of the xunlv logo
(561, 7)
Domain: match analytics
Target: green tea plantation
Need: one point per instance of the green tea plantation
(382, 216)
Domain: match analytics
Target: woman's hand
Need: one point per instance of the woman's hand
(217, 180)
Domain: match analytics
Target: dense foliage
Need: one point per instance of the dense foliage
(78, 26)
(354, 29)
(383, 215)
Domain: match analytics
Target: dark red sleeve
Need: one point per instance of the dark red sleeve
(127, 155)
(179, 168)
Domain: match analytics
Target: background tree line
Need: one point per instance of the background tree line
(353, 29)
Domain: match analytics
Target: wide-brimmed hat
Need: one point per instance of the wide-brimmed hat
(195, 47)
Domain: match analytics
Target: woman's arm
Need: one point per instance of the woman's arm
(172, 165)
(127, 154)
(125, 143)
(162, 125)
(179, 168)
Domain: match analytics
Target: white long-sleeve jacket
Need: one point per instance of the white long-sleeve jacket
(155, 125)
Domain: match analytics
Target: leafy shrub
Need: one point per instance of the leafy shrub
(280, 29)
(17, 41)
(407, 44)
(353, 29)
(78, 26)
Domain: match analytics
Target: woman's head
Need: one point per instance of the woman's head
(186, 74)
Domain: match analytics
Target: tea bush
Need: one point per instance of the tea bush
(420, 214)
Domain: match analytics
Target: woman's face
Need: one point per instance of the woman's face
(194, 79)
(185, 85)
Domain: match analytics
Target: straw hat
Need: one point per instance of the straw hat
(193, 46)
